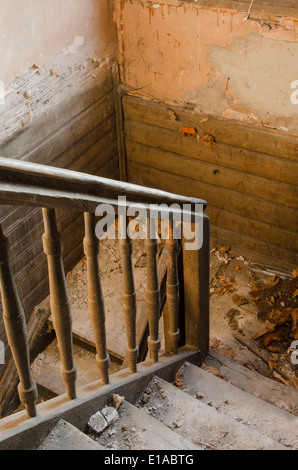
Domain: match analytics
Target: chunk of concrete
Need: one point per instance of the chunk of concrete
(97, 422)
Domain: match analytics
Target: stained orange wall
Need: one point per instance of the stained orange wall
(211, 60)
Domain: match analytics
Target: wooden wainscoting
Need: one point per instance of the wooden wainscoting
(247, 174)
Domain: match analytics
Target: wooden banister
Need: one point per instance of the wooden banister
(27, 184)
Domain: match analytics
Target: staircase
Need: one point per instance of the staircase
(199, 411)
(171, 401)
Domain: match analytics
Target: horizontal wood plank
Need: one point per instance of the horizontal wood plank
(219, 154)
(253, 185)
(238, 203)
(153, 177)
(229, 132)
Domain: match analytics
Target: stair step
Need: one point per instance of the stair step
(111, 278)
(200, 423)
(64, 436)
(46, 370)
(136, 430)
(254, 383)
(240, 405)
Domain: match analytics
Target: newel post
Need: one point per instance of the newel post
(196, 266)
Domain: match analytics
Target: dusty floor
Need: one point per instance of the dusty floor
(253, 314)
(248, 323)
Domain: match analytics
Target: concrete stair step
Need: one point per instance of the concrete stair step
(136, 430)
(240, 405)
(198, 422)
(65, 436)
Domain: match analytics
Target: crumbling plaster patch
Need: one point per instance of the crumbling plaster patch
(255, 81)
(211, 59)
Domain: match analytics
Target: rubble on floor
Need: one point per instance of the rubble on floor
(253, 314)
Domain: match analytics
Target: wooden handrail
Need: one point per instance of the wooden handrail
(33, 184)
(28, 184)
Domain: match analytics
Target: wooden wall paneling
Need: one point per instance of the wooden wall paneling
(254, 208)
(149, 177)
(235, 134)
(234, 180)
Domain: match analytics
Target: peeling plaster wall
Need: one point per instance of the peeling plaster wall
(45, 48)
(39, 31)
(210, 59)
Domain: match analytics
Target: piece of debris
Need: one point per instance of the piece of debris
(110, 414)
(145, 398)
(239, 300)
(228, 352)
(117, 400)
(214, 370)
(208, 140)
(225, 286)
(97, 423)
(231, 316)
(284, 381)
(273, 281)
(214, 343)
(178, 381)
(272, 337)
(224, 257)
(187, 131)
(224, 249)
(176, 425)
(266, 327)
(205, 119)
(273, 360)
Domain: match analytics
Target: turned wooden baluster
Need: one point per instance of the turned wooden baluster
(172, 290)
(59, 300)
(16, 330)
(128, 293)
(95, 296)
(152, 291)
